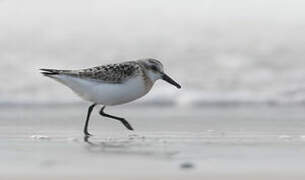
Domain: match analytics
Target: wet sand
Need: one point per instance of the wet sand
(169, 143)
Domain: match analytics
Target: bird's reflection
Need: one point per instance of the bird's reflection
(129, 146)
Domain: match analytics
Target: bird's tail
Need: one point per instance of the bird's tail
(50, 72)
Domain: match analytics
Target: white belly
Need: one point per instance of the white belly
(106, 94)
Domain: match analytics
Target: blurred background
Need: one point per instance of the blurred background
(245, 54)
(222, 52)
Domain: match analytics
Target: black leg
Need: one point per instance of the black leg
(87, 120)
(126, 124)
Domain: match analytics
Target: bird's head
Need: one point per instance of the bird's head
(154, 70)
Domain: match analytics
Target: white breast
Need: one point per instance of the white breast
(106, 93)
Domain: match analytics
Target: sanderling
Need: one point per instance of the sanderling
(112, 84)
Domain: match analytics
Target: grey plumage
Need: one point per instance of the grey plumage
(111, 73)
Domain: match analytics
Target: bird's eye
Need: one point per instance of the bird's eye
(154, 68)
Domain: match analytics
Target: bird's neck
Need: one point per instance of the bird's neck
(148, 81)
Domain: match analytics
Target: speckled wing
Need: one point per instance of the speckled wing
(111, 73)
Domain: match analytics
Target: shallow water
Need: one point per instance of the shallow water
(168, 142)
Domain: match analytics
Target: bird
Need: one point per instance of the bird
(112, 84)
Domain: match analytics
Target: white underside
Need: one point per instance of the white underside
(105, 93)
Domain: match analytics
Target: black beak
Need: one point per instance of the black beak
(170, 80)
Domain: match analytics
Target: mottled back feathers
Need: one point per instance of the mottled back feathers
(111, 73)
